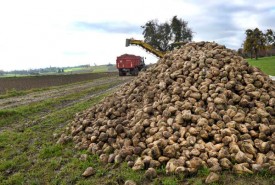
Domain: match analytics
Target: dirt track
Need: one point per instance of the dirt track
(62, 91)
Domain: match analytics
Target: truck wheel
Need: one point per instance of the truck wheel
(121, 73)
(135, 72)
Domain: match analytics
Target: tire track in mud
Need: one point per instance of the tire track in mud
(13, 102)
(45, 115)
(36, 118)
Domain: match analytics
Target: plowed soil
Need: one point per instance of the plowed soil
(60, 91)
(31, 82)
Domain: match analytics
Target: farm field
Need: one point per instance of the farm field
(31, 124)
(45, 81)
(27, 125)
(92, 69)
(266, 64)
(67, 70)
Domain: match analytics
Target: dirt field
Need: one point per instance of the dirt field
(59, 92)
(24, 83)
(68, 94)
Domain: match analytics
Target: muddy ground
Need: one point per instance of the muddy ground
(44, 81)
(60, 91)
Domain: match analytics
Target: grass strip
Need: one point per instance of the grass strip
(32, 157)
(8, 116)
(15, 93)
(266, 64)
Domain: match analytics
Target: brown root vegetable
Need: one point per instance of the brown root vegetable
(200, 105)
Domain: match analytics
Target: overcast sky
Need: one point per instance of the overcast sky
(43, 33)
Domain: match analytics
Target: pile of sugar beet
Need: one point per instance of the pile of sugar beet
(201, 105)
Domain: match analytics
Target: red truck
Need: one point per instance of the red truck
(129, 64)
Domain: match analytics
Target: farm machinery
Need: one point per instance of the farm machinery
(145, 46)
(133, 64)
(129, 64)
(150, 48)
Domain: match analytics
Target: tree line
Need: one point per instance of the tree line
(257, 40)
(40, 70)
(165, 36)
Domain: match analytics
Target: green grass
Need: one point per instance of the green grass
(30, 156)
(128, 173)
(13, 75)
(8, 116)
(14, 92)
(203, 172)
(73, 69)
(49, 151)
(93, 69)
(170, 181)
(99, 69)
(266, 64)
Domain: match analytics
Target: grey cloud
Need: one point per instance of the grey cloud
(229, 7)
(214, 26)
(216, 20)
(110, 27)
(267, 19)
